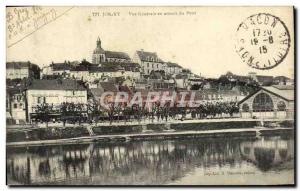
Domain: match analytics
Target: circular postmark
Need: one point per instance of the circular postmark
(262, 41)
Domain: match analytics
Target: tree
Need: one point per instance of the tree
(43, 112)
(73, 112)
(111, 112)
(196, 86)
(95, 112)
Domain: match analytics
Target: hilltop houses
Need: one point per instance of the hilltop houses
(21, 70)
(84, 82)
(149, 61)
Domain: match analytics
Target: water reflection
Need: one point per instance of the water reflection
(147, 162)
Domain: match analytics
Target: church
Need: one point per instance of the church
(101, 56)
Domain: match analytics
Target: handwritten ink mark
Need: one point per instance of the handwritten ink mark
(10, 45)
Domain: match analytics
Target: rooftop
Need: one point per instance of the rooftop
(17, 65)
(15, 90)
(265, 80)
(171, 64)
(118, 55)
(57, 84)
(283, 91)
(80, 68)
(109, 86)
(61, 66)
(148, 56)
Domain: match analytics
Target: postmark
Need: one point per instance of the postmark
(262, 41)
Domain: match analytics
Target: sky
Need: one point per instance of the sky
(202, 40)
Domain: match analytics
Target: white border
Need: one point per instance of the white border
(5, 3)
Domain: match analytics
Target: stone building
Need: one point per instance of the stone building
(54, 92)
(269, 102)
(15, 104)
(172, 68)
(21, 70)
(149, 61)
(100, 55)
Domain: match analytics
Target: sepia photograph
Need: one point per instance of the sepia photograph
(150, 96)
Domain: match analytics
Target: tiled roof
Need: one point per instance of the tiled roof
(264, 80)
(286, 92)
(57, 84)
(102, 69)
(181, 76)
(284, 87)
(108, 86)
(118, 55)
(17, 65)
(171, 64)
(14, 90)
(148, 56)
(80, 68)
(61, 66)
(281, 78)
(96, 92)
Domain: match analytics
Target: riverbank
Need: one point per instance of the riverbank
(143, 130)
(149, 122)
(254, 132)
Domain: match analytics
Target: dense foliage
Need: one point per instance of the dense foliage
(93, 113)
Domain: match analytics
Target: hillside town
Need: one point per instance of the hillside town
(70, 92)
(150, 96)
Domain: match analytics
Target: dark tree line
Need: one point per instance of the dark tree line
(93, 113)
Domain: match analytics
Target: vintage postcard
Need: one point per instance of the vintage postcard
(161, 95)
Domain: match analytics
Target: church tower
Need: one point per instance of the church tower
(99, 53)
(99, 42)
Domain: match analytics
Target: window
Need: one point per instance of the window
(262, 102)
(245, 107)
(15, 105)
(281, 106)
(41, 100)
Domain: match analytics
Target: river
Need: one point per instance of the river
(229, 161)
